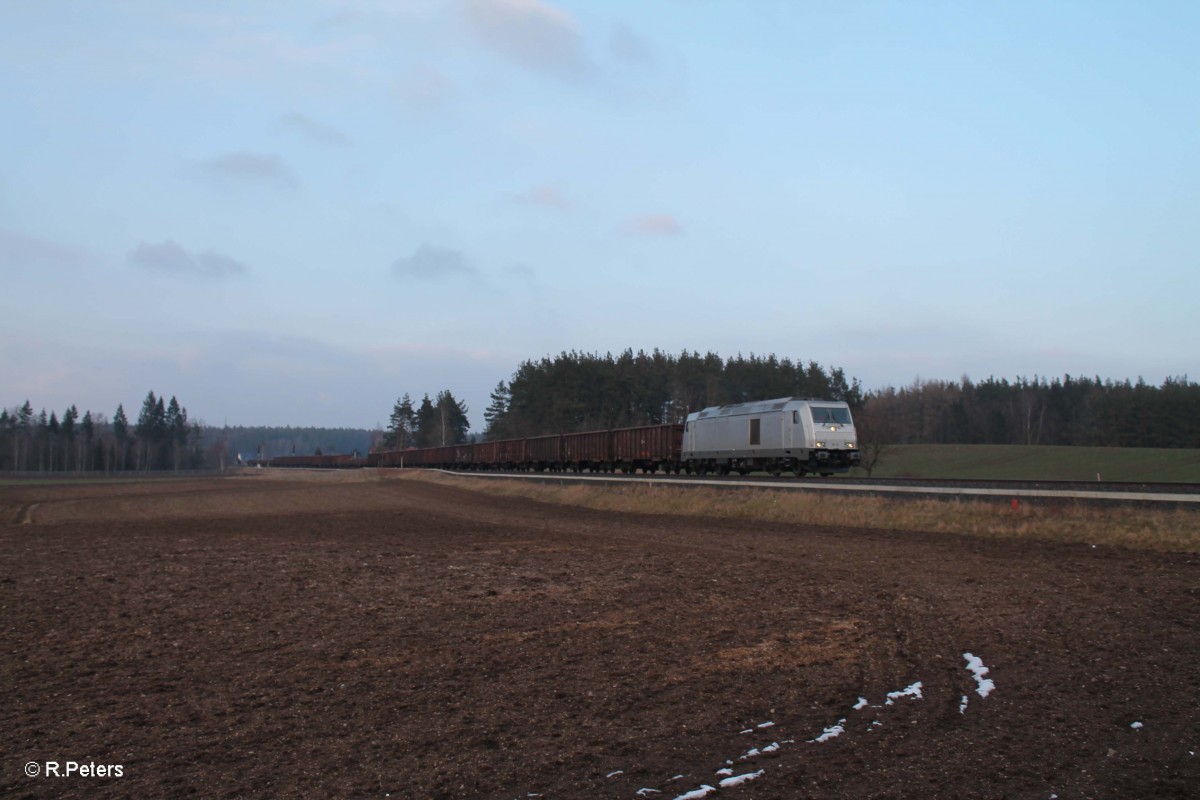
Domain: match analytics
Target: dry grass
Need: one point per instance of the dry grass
(1148, 529)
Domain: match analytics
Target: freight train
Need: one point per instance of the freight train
(788, 434)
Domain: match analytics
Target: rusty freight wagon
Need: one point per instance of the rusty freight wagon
(591, 451)
(649, 448)
(335, 461)
(512, 454)
(544, 453)
(485, 455)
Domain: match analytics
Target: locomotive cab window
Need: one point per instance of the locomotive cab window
(755, 435)
(795, 417)
(830, 415)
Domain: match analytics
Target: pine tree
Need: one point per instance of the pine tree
(451, 419)
(68, 434)
(401, 424)
(120, 426)
(496, 412)
(427, 434)
(88, 428)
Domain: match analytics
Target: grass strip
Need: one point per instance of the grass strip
(1174, 530)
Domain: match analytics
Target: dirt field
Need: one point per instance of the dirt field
(355, 636)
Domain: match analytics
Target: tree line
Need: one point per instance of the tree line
(161, 438)
(1070, 410)
(432, 423)
(588, 391)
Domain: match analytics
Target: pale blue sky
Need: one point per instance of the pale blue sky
(294, 212)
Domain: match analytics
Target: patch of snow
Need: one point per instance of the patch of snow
(758, 751)
(738, 780)
(647, 792)
(724, 771)
(748, 730)
(1135, 725)
(831, 732)
(962, 707)
(861, 704)
(765, 724)
(913, 691)
(975, 665)
(614, 774)
(704, 791)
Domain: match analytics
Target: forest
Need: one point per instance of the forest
(162, 438)
(586, 391)
(583, 391)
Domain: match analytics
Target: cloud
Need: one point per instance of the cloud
(532, 34)
(546, 196)
(429, 263)
(654, 225)
(628, 46)
(425, 88)
(171, 259)
(251, 168)
(18, 251)
(315, 131)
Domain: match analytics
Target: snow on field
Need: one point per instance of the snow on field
(831, 732)
(1135, 725)
(738, 780)
(975, 665)
(914, 691)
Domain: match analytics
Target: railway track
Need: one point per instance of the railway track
(1186, 495)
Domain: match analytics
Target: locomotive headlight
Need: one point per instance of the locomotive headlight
(849, 445)
(820, 444)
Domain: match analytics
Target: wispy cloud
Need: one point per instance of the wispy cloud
(546, 196)
(430, 263)
(654, 225)
(315, 131)
(628, 46)
(531, 33)
(425, 88)
(18, 251)
(250, 168)
(170, 259)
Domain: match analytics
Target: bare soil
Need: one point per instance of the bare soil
(370, 636)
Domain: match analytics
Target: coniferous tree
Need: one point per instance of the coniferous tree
(497, 411)
(426, 434)
(67, 427)
(87, 427)
(120, 426)
(452, 421)
(401, 424)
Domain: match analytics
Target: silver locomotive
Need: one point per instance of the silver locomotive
(787, 434)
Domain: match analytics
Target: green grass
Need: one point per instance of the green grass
(1019, 462)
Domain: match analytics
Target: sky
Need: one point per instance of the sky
(294, 213)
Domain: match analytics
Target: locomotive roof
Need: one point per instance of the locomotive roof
(759, 406)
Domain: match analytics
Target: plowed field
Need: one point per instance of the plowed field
(353, 635)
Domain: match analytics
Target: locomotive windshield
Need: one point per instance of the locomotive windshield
(830, 415)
